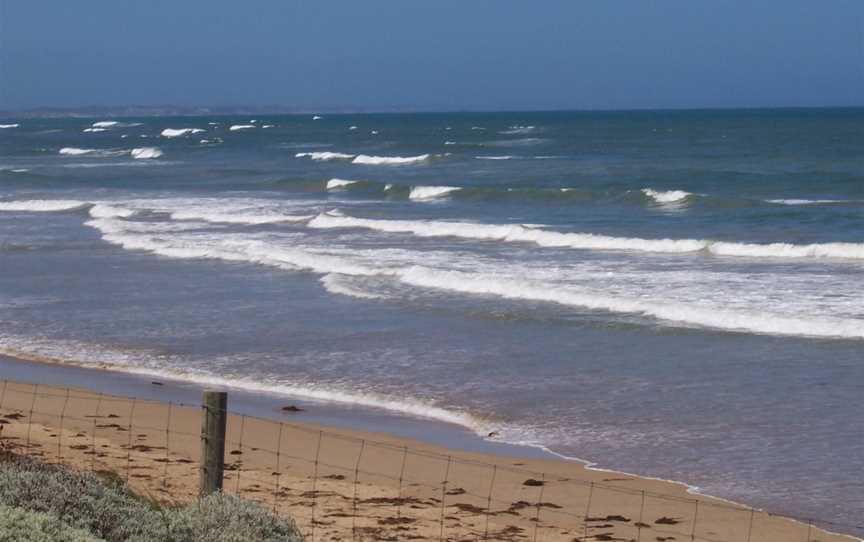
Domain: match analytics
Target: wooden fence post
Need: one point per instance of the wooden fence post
(213, 422)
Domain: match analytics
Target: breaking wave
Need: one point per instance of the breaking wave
(238, 127)
(389, 160)
(342, 262)
(420, 193)
(142, 153)
(335, 184)
(668, 196)
(7, 126)
(589, 241)
(324, 156)
(180, 132)
(42, 206)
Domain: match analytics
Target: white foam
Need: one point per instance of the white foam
(74, 151)
(316, 117)
(389, 160)
(339, 284)
(86, 355)
(808, 201)
(234, 216)
(265, 126)
(584, 241)
(334, 184)
(180, 132)
(668, 196)
(7, 126)
(505, 157)
(324, 156)
(142, 153)
(730, 320)
(238, 127)
(104, 124)
(41, 206)
(420, 193)
(94, 130)
(352, 128)
(476, 277)
(518, 129)
(105, 210)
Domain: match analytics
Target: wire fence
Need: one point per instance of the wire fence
(338, 486)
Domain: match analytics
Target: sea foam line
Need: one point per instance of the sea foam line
(294, 258)
(590, 241)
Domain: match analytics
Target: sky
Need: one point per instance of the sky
(432, 55)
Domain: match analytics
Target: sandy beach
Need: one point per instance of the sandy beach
(339, 484)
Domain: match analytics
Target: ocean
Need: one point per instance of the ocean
(671, 294)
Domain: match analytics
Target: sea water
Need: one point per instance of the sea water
(673, 294)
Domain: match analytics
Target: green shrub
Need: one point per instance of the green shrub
(19, 525)
(107, 510)
(224, 518)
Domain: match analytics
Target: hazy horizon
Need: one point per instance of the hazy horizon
(450, 56)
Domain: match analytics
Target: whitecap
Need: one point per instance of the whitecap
(324, 156)
(145, 152)
(237, 127)
(389, 160)
(420, 193)
(335, 184)
(668, 196)
(180, 132)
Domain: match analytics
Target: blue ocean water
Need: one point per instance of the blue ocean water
(673, 294)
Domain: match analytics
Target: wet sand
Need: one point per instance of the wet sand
(339, 483)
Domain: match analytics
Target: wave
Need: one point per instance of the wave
(809, 201)
(506, 157)
(180, 132)
(74, 151)
(746, 321)
(590, 241)
(78, 354)
(142, 153)
(340, 262)
(420, 193)
(518, 129)
(524, 142)
(389, 160)
(104, 124)
(334, 184)
(237, 127)
(668, 196)
(94, 130)
(7, 126)
(105, 210)
(338, 284)
(42, 206)
(231, 216)
(324, 156)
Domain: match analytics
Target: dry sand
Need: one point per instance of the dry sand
(341, 485)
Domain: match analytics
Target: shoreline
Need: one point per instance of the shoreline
(364, 422)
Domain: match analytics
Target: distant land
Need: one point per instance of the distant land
(108, 111)
(185, 111)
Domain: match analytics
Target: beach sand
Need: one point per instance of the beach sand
(341, 484)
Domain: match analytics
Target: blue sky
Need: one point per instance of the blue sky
(441, 55)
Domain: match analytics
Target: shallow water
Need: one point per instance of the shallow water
(670, 294)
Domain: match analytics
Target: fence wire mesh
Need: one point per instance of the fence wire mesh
(339, 486)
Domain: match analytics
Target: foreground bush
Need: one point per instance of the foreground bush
(224, 518)
(18, 525)
(107, 510)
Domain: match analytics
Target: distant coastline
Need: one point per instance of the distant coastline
(120, 111)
